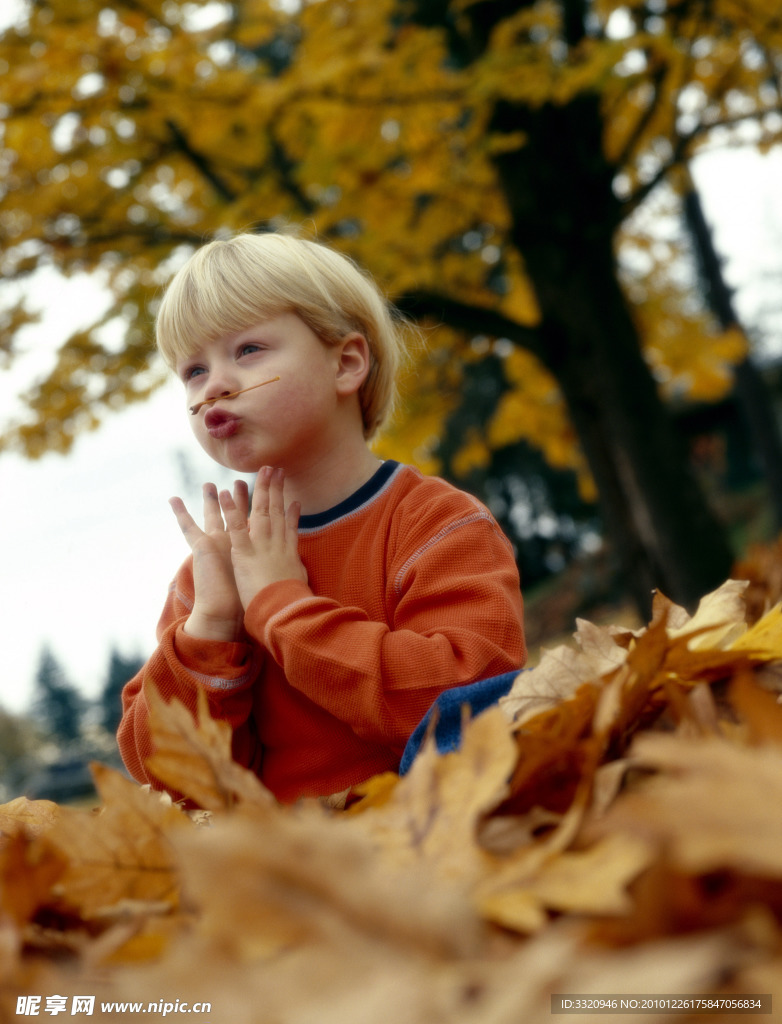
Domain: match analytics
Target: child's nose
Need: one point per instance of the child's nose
(221, 382)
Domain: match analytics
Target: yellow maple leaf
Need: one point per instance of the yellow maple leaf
(765, 637)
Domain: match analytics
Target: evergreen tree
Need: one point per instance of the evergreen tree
(120, 670)
(58, 704)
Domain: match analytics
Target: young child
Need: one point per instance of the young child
(324, 623)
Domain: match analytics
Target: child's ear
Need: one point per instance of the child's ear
(354, 363)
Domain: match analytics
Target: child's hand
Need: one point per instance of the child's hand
(265, 549)
(217, 610)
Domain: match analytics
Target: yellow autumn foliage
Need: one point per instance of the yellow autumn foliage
(131, 133)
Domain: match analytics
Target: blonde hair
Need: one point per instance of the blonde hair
(232, 284)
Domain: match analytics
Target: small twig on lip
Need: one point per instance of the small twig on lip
(219, 398)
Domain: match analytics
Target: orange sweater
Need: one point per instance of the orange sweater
(412, 589)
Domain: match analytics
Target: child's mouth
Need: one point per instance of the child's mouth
(221, 424)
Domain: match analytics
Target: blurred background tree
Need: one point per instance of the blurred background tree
(120, 670)
(58, 704)
(485, 160)
(46, 752)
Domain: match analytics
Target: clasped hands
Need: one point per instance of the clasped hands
(239, 552)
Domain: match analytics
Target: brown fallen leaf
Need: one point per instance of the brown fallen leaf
(266, 883)
(556, 751)
(591, 881)
(28, 817)
(719, 619)
(759, 711)
(432, 813)
(195, 759)
(628, 693)
(564, 745)
(356, 979)
(559, 674)
(712, 804)
(123, 852)
(561, 671)
(28, 870)
(604, 646)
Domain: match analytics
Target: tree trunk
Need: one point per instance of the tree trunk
(559, 190)
(564, 213)
(654, 514)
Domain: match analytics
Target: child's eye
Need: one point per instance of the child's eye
(249, 347)
(192, 371)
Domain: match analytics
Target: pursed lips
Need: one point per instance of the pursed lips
(221, 423)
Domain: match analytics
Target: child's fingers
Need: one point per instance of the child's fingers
(235, 520)
(261, 489)
(276, 496)
(213, 520)
(261, 494)
(269, 520)
(242, 497)
(190, 529)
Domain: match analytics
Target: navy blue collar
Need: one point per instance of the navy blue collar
(363, 496)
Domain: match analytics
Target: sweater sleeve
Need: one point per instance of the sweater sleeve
(455, 616)
(180, 666)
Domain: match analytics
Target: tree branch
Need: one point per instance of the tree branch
(644, 120)
(224, 191)
(285, 167)
(681, 152)
(466, 317)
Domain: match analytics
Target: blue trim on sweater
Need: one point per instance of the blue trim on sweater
(355, 501)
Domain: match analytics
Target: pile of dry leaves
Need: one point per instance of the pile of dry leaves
(614, 826)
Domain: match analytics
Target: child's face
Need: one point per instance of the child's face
(284, 424)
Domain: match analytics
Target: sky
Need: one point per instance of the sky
(90, 543)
